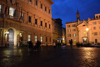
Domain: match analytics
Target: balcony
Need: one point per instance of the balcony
(5, 16)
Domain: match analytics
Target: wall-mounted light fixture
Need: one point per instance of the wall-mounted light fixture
(20, 34)
(6, 33)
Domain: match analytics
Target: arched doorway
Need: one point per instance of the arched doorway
(84, 40)
(11, 37)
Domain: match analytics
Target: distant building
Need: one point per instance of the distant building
(57, 30)
(83, 31)
(63, 35)
(25, 20)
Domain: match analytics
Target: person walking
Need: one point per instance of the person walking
(54, 44)
(30, 46)
(38, 44)
(71, 43)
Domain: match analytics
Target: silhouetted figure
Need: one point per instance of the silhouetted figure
(54, 44)
(71, 43)
(38, 44)
(7, 44)
(18, 44)
(30, 45)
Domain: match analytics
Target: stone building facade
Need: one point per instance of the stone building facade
(25, 20)
(83, 31)
(63, 35)
(57, 30)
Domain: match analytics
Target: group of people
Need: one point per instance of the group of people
(31, 46)
(70, 42)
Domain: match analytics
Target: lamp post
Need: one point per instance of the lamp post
(87, 29)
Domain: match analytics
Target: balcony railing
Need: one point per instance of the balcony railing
(5, 16)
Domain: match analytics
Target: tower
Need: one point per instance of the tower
(78, 15)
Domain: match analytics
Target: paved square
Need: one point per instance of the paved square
(49, 57)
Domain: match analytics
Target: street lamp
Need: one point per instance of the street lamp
(87, 29)
(6, 33)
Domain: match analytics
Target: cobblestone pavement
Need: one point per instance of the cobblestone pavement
(49, 57)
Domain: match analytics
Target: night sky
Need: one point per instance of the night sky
(66, 9)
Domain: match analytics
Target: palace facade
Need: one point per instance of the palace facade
(57, 30)
(83, 31)
(25, 20)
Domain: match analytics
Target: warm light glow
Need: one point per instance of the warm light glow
(87, 29)
(63, 38)
(11, 11)
(41, 39)
(6, 32)
(0, 8)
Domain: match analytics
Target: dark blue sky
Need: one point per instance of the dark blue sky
(66, 9)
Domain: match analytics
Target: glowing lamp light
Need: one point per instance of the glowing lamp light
(6, 33)
(87, 29)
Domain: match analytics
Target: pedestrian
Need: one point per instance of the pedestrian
(38, 44)
(30, 46)
(18, 44)
(7, 44)
(71, 43)
(54, 44)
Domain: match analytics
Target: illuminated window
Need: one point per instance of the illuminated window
(69, 30)
(11, 11)
(94, 23)
(94, 28)
(29, 37)
(41, 39)
(20, 34)
(69, 35)
(74, 35)
(74, 41)
(0, 8)
(35, 38)
(22, 16)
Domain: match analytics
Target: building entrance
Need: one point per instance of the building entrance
(11, 37)
(84, 40)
